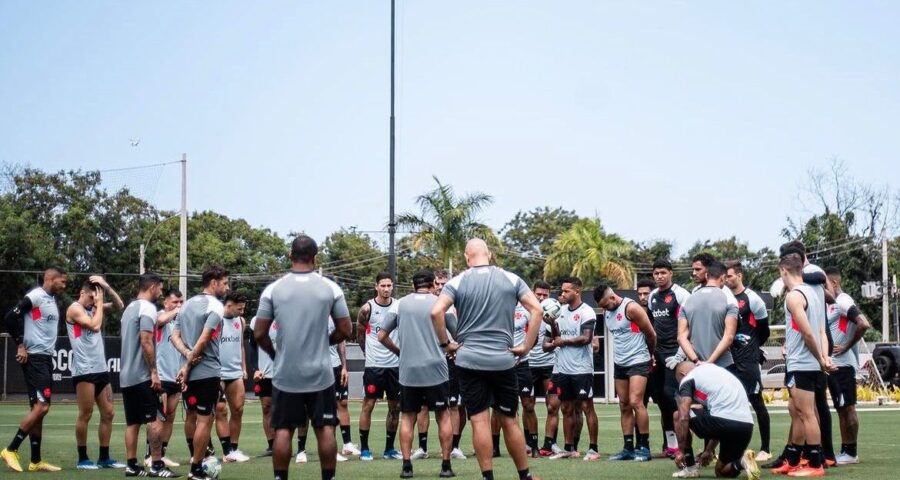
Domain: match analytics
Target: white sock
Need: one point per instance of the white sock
(671, 439)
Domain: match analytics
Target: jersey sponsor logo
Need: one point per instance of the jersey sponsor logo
(661, 313)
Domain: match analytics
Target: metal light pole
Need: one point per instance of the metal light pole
(182, 241)
(392, 225)
(886, 291)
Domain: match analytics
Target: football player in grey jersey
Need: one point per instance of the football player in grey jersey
(90, 374)
(233, 357)
(168, 361)
(36, 340)
(380, 378)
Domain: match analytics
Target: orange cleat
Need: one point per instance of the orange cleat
(785, 469)
(808, 472)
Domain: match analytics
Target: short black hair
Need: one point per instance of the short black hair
(213, 272)
(423, 278)
(304, 249)
(715, 269)
(646, 282)
(56, 269)
(541, 284)
(88, 285)
(792, 262)
(173, 291)
(794, 246)
(236, 297)
(441, 273)
(833, 271)
(148, 280)
(705, 258)
(573, 280)
(384, 276)
(735, 265)
(662, 263)
(600, 291)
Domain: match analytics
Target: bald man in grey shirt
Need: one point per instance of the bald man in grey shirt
(485, 299)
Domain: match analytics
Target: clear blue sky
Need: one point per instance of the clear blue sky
(678, 120)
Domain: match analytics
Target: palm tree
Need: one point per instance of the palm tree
(446, 222)
(591, 254)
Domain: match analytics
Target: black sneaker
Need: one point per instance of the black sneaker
(163, 472)
(198, 476)
(267, 453)
(135, 472)
(775, 463)
(406, 474)
(448, 473)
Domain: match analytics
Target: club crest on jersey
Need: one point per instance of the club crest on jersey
(619, 317)
(236, 325)
(577, 317)
(742, 303)
(518, 315)
(668, 299)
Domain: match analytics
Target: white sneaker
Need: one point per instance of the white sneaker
(687, 472)
(457, 454)
(845, 459)
(350, 449)
(170, 463)
(561, 455)
(555, 448)
(236, 456)
(341, 458)
(591, 456)
(419, 454)
(301, 457)
(763, 456)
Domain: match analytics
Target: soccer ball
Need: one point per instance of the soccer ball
(551, 308)
(211, 467)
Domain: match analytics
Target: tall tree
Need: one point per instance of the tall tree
(446, 222)
(528, 238)
(588, 252)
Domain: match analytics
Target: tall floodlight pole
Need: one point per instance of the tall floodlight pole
(392, 225)
(182, 241)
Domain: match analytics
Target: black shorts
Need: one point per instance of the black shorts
(381, 382)
(574, 387)
(624, 372)
(483, 389)
(201, 395)
(435, 397)
(454, 398)
(809, 381)
(524, 381)
(750, 376)
(662, 385)
(842, 385)
(99, 380)
(263, 388)
(341, 392)
(539, 375)
(171, 388)
(38, 372)
(294, 410)
(141, 404)
(733, 436)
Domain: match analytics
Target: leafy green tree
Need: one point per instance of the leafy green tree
(445, 222)
(528, 238)
(588, 252)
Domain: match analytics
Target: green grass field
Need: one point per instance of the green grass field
(878, 445)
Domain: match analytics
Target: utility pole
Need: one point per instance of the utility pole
(392, 225)
(885, 291)
(182, 241)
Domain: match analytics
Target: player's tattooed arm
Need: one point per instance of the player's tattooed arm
(362, 320)
(148, 349)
